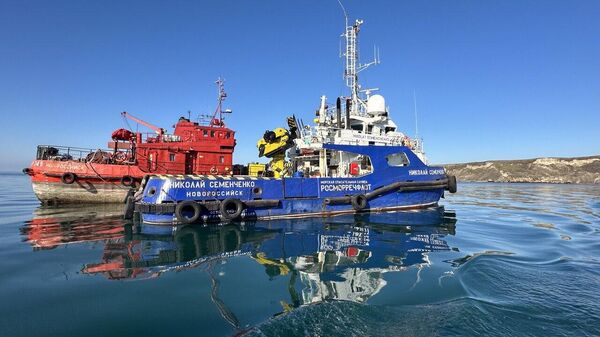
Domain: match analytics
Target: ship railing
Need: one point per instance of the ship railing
(65, 153)
(417, 144)
(165, 138)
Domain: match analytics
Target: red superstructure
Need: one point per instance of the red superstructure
(73, 175)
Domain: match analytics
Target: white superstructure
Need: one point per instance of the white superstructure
(362, 118)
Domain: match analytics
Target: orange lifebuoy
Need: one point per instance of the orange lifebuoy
(214, 170)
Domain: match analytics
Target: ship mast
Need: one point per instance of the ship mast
(353, 65)
(221, 95)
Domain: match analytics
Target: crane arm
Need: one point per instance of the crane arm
(274, 145)
(156, 129)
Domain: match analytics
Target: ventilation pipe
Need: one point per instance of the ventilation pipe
(348, 104)
(338, 110)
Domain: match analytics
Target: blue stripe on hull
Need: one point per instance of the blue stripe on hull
(300, 208)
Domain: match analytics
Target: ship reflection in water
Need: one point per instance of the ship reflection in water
(53, 226)
(339, 258)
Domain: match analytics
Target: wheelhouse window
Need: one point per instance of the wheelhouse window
(397, 159)
(171, 156)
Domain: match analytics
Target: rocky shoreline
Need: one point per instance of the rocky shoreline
(578, 170)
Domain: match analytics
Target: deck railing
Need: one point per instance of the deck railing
(64, 153)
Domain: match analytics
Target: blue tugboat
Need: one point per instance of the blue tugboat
(352, 160)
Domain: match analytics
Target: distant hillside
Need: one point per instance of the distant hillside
(582, 170)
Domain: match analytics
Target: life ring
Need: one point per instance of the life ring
(214, 170)
(127, 181)
(231, 208)
(359, 202)
(68, 178)
(185, 206)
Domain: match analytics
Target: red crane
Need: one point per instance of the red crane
(159, 131)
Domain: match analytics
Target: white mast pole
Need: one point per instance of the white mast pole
(416, 119)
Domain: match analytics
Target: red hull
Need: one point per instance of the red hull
(94, 183)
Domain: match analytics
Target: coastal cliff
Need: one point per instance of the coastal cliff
(580, 170)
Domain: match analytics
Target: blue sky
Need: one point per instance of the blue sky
(494, 79)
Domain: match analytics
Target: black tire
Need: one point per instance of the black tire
(185, 206)
(129, 208)
(231, 208)
(359, 202)
(68, 178)
(127, 181)
(130, 193)
(452, 184)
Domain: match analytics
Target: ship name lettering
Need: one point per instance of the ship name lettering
(417, 172)
(231, 183)
(188, 184)
(436, 171)
(227, 193)
(345, 187)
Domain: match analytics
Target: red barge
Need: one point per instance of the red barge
(62, 174)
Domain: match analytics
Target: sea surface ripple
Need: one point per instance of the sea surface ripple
(494, 259)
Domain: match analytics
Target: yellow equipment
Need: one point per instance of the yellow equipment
(273, 145)
(256, 169)
(262, 258)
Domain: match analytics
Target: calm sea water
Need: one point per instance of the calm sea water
(496, 259)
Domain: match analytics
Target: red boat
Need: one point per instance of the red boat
(75, 175)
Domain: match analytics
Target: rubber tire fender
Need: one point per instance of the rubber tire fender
(127, 181)
(359, 202)
(186, 204)
(226, 205)
(452, 184)
(129, 207)
(68, 178)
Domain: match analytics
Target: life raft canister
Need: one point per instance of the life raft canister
(68, 178)
(185, 206)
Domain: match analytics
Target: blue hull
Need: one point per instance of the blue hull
(388, 188)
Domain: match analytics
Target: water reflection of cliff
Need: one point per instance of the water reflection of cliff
(340, 258)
